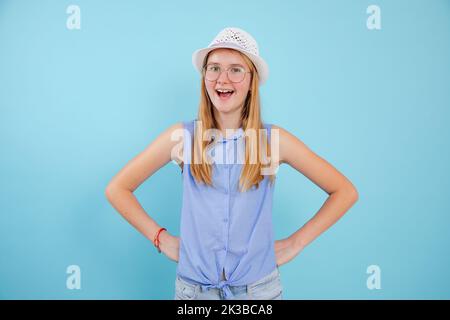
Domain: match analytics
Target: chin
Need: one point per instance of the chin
(224, 108)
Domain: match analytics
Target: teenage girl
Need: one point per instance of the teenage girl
(229, 158)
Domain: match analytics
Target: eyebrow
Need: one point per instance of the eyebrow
(231, 64)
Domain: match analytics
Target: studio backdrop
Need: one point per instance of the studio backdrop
(86, 85)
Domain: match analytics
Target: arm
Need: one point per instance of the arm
(342, 194)
(119, 191)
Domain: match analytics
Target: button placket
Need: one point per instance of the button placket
(227, 212)
(227, 154)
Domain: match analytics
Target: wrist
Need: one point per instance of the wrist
(163, 237)
(157, 239)
(297, 242)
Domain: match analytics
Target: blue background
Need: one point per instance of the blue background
(77, 105)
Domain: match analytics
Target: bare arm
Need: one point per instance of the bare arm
(342, 193)
(120, 189)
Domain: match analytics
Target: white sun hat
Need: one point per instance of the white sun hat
(238, 39)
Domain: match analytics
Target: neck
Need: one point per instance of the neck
(232, 122)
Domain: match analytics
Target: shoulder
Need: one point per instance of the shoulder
(178, 128)
(283, 133)
(177, 125)
(279, 129)
(289, 144)
(172, 138)
(173, 133)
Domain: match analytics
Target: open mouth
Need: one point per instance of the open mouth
(224, 94)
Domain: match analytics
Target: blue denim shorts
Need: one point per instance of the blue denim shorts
(267, 288)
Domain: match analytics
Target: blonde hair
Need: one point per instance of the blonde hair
(250, 118)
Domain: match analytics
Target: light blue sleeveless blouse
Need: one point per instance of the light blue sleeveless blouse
(222, 228)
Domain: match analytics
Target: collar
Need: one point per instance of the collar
(237, 134)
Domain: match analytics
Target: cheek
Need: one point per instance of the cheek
(242, 89)
(210, 89)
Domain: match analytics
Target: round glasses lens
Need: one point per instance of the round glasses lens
(212, 73)
(236, 74)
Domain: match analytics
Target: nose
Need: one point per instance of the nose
(223, 77)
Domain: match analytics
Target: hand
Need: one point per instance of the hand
(169, 245)
(285, 250)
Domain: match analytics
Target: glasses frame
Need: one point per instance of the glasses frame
(220, 73)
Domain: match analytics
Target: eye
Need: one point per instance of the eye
(237, 70)
(213, 68)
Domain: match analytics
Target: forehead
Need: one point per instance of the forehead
(225, 56)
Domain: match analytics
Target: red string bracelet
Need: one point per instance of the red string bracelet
(156, 241)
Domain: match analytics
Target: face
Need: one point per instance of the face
(225, 102)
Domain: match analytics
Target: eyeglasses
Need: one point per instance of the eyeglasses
(235, 74)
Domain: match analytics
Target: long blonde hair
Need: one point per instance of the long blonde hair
(250, 118)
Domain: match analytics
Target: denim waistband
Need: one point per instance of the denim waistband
(228, 289)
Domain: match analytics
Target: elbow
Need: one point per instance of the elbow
(110, 191)
(349, 193)
(114, 190)
(356, 195)
(353, 194)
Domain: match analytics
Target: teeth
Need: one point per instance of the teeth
(223, 91)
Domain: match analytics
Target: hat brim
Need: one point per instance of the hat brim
(261, 66)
